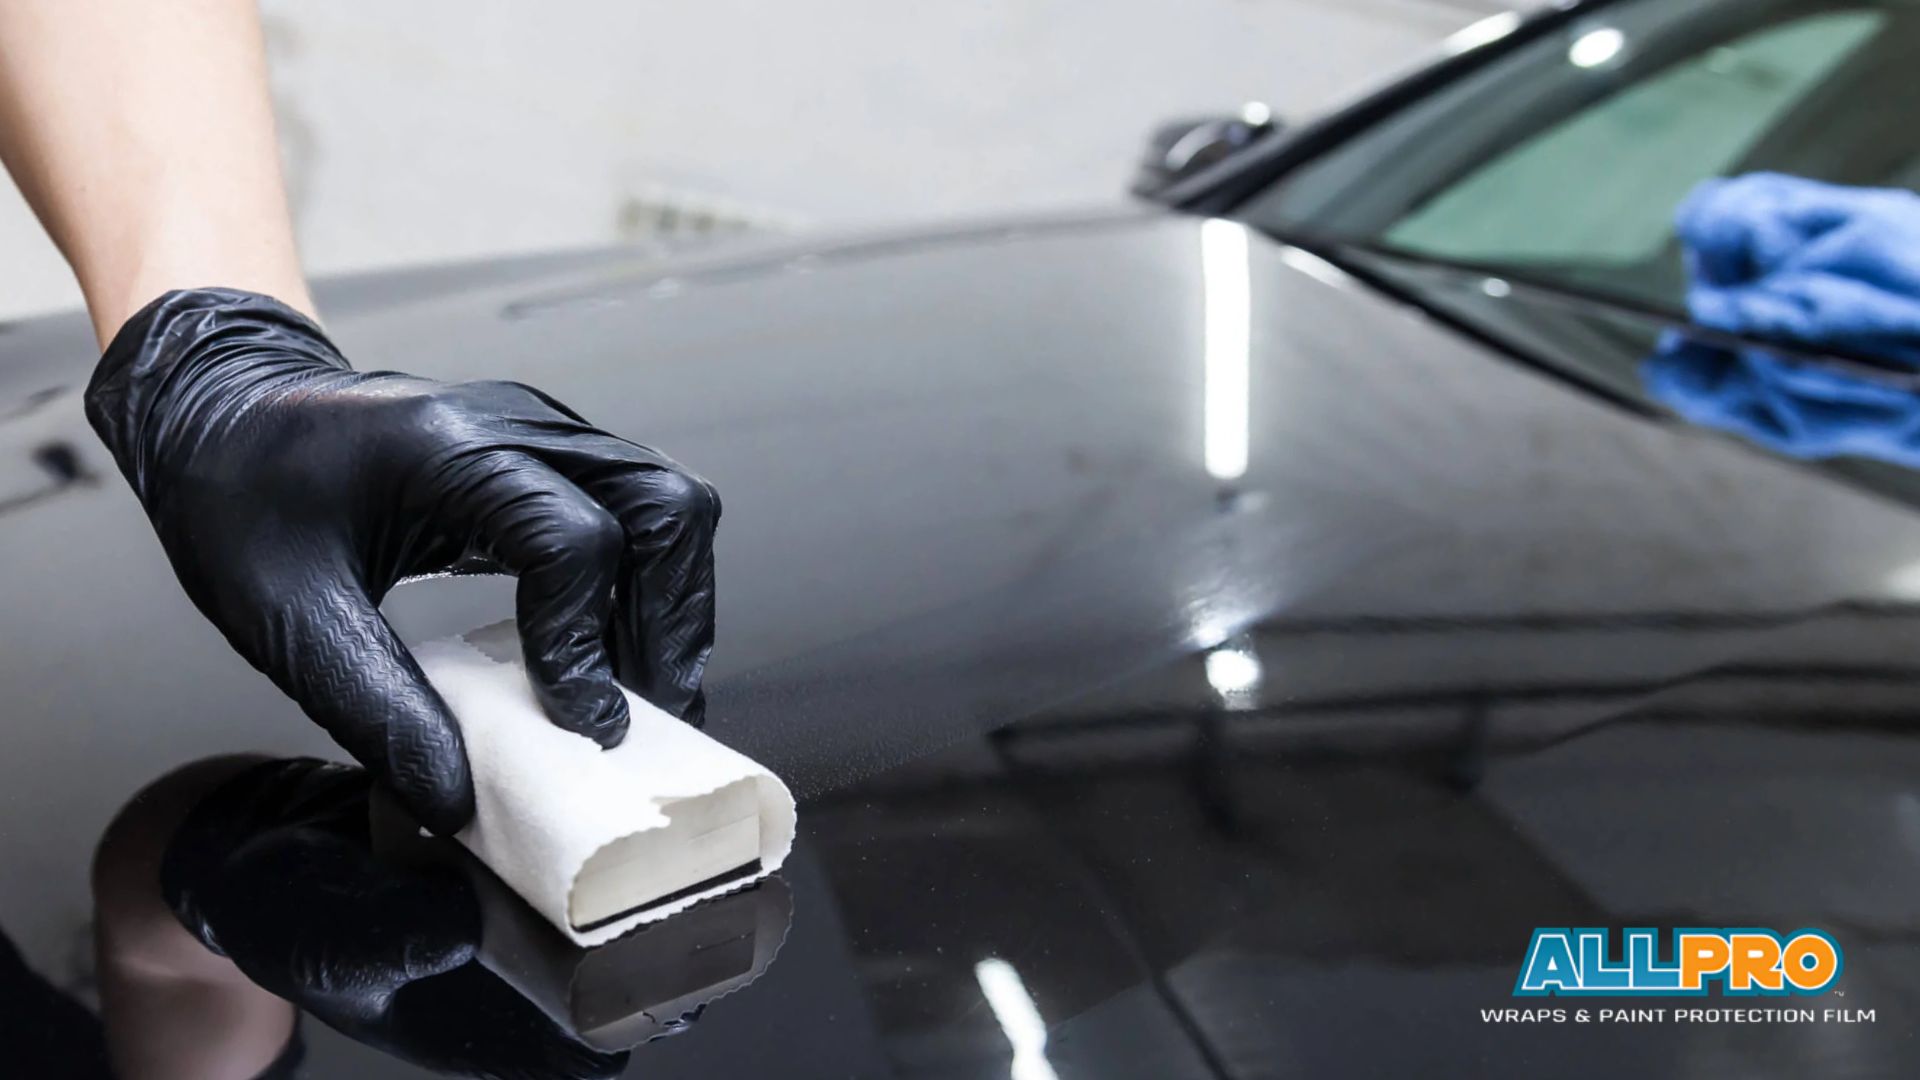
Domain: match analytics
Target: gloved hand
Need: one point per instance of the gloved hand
(274, 869)
(291, 493)
(1784, 257)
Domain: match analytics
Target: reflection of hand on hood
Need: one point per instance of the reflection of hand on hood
(43, 1030)
(275, 870)
(1782, 257)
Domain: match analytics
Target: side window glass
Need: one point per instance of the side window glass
(1600, 186)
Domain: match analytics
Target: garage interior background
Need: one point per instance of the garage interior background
(441, 130)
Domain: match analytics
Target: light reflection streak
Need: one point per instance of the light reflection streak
(1019, 1017)
(1225, 273)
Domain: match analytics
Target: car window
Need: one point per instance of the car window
(1654, 141)
(1565, 160)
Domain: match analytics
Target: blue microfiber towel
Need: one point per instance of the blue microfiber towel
(1819, 264)
(1788, 407)
(1823, 264)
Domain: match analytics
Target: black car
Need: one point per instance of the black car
(1208, 638)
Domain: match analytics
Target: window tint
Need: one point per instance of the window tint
(1646, 146)
(1566, 159)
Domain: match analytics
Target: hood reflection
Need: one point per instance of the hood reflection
(290, 881)
(1804, 410)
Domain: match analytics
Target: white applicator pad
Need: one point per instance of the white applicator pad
(600, 841)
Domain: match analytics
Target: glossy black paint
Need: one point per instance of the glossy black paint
(1530, 659)
(1529, 653)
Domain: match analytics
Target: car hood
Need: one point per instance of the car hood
(967, 480)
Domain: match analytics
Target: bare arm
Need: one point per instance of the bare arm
(141, 132)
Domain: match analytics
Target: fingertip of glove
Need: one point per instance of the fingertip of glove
(600, 717)
(610, 729)
(448, 807)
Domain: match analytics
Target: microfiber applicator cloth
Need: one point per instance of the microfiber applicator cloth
(1774, 256)
(547, 800)
(1825, 264)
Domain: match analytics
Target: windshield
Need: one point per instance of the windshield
(1562, 163)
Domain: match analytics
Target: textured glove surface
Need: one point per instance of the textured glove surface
(291, 493)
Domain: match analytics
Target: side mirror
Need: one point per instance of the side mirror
(1184, 148)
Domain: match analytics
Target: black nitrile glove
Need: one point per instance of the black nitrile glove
(291, 493)
(275, 870)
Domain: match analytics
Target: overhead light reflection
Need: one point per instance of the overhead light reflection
(1904, 583)
(1485, 32)
(1019, 1017)
(1315, 267)
(1234, 672)
(1596, 47)
(1216, 619)
(1225, 273)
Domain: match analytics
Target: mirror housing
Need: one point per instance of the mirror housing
(1180, 149)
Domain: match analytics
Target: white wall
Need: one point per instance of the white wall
(441, 129)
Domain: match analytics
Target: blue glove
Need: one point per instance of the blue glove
(1800, 260)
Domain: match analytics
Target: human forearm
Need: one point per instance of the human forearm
(141, 133)
(290, 491)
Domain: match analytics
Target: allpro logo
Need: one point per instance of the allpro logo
(1582, 961)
